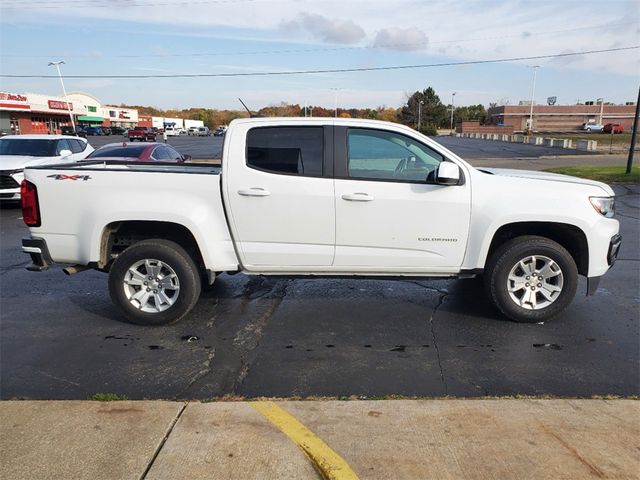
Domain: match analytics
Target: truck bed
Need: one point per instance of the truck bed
(79, 202)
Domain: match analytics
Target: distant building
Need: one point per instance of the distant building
(22, 113)
(560, 118)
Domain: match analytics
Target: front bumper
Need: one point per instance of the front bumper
(39, 253)
(10, 194)
(10, 184)
(612, 255)
(614, 248)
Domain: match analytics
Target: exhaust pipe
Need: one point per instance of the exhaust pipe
(73, 269)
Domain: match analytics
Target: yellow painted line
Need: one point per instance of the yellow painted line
(330, 465)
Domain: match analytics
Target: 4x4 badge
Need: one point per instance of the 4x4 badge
(60, 176)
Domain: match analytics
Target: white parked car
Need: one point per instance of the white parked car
(203, 132)
(192, 131)
(20, 151)
(321, 197)
(592, 127)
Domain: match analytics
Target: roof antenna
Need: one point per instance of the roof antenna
(252, 115)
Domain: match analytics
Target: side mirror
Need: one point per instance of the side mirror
(448, 174)
(186, 158)
(65, 153)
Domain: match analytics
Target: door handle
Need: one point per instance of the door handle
(357, 197)
(254, 192)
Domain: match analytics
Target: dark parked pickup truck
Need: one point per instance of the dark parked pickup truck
(143, 134)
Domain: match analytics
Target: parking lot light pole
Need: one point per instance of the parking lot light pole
(420, 103)
(533, 92)
(634, 133)
(335, 99)
(601, 102)
(453, 97)
(57, 65)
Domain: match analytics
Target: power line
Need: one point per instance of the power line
(332, 70)
(523, 35)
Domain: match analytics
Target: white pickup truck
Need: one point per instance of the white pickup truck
(320, 197)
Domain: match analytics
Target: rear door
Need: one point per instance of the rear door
(391, 216)
(280, 196)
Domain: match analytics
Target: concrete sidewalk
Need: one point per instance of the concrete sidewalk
(400, 439)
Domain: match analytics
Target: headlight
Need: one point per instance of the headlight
(604, 205)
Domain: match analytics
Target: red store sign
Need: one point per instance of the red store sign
(14, 97)
(56, 105)
(7, 101)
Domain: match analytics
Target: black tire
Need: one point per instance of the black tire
(508, 255)
(171, 254)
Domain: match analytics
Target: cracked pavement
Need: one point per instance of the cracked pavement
(61, 338)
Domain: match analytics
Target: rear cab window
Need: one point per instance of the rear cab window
(286, 150)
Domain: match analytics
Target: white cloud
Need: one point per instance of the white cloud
(325, 29)
(404, 39)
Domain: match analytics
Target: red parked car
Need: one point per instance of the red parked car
(613, 127)
(150, 152)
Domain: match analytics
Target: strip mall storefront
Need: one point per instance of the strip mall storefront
(26, 113)
(34, 113)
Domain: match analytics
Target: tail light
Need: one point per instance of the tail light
(30, 207)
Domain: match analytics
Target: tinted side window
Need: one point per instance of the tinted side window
(382, 155)
(173, 154)
(76, 146)
(62, 145)
(289, 150)
(161, 153)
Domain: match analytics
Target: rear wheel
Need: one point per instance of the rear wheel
(531, 278)
(154, 282)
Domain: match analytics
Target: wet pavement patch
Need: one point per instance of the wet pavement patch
(550, 346)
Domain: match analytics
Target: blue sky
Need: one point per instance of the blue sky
(225, 36)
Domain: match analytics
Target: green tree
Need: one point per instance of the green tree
(470, 112)
(433, 113)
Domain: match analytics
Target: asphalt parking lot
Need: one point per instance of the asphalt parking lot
(469, 148)
(61, 338)
(197, 147)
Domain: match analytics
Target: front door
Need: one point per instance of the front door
(280, 197)
(391, 216)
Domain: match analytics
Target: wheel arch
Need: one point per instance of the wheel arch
(118, 235)
(572, 238)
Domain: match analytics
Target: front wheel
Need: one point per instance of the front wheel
(531, 279)
(154, 282)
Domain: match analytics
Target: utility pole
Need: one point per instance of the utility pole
(633, 135)
(335, 99)
(420, 103)
(601, 102)
(57, 65)
(533, 92)
(453, 96)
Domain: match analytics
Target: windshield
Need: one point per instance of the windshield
(129, 152)
(28, 147)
